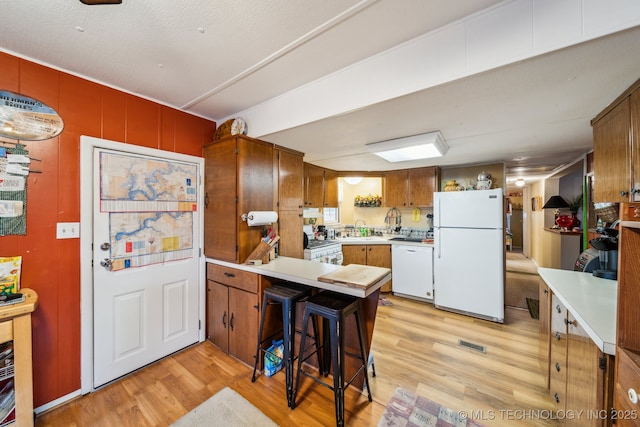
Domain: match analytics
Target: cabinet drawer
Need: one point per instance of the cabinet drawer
(627, 377)
(232, 277)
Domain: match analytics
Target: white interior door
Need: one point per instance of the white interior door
(146, 258)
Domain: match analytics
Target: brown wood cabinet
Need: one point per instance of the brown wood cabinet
(233, 301)
(579, 373)
(616, 152)
(375, 255)
(544, 319)
(410, 188)
(320, 187)
(558, 353)
(238, 179)
(289, 194)
(627, 377)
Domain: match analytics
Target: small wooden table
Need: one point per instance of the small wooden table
(15, 325)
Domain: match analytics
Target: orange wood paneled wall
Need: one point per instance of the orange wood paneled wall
(50, 266)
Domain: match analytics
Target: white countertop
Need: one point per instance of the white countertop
(378, 240)
(591, 300)
(304, 272)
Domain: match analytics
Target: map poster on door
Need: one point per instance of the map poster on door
(150, 203)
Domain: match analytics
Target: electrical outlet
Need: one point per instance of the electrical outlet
(68, 230)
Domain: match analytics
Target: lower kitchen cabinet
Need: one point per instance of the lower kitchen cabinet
(544, 319)
(375, 255)
(580, 375)
(233, 301)
(627, 388)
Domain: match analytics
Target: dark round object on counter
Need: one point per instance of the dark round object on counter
(604, 243)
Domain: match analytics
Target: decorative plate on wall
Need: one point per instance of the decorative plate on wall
(27, 119)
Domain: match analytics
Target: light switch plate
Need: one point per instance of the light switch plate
(68, 230)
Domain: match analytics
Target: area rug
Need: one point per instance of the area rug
(225, 408)
(534, 307)
(406, 409)
(382, 300)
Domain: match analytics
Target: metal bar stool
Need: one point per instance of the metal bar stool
(286, 295)
(334, 308)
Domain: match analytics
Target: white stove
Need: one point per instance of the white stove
(327, 251)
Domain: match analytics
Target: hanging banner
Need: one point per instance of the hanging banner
(27, 119)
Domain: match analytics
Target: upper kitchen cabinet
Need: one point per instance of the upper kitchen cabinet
(238, 179)
(410, 188)
(616, 156)
(289, 168)
(320, 187)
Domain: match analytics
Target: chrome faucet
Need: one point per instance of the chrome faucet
(355, 224)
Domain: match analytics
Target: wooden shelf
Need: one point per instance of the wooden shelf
(564, 233)
(15, 321)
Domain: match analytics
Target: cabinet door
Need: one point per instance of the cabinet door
(354, 254)
(395, 189)
(627, 374)
(585, 379)
(220, 200)
(330, 189)
(255, 190)
(611, 159)
(380, 256)
(218, 314)
(243, 325)
(290, 181)
(422, 184)
(313, 186)
(290, 225)
(558, 354)
(544, 324)
(628, 289)
(635, 143)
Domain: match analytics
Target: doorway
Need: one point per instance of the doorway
(142, 267)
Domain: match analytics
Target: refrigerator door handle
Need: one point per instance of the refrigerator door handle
(438, 242)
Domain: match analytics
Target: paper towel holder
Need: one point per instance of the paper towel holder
(250, 217)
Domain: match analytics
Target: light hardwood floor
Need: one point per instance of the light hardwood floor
(415, 346)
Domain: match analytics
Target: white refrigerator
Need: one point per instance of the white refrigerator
(469, 253)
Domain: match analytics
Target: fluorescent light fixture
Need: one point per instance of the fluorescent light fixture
(414, 147)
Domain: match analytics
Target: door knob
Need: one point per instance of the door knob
(105, 246)
(106, 263)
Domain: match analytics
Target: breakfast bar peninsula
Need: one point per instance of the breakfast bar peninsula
(234, 296)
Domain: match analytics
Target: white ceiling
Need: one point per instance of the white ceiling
(218, 58)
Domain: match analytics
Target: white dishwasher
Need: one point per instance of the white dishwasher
(412, 271)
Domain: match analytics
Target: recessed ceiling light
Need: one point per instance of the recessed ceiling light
(519, 182)
(200, 30)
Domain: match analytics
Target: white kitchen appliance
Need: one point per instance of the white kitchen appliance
(469, 253)
(327, 251)
(412, 271)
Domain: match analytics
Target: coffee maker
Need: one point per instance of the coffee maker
(607, 247)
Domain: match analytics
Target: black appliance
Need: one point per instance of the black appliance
(602, 259)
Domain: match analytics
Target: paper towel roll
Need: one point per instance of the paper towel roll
(261, 218)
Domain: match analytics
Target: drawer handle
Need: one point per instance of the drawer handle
(556, 397)
(558, 336)
(557, 366)
(229, 274)
(558, 308)
(633, 396)
(224, 319)
(231, 322)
